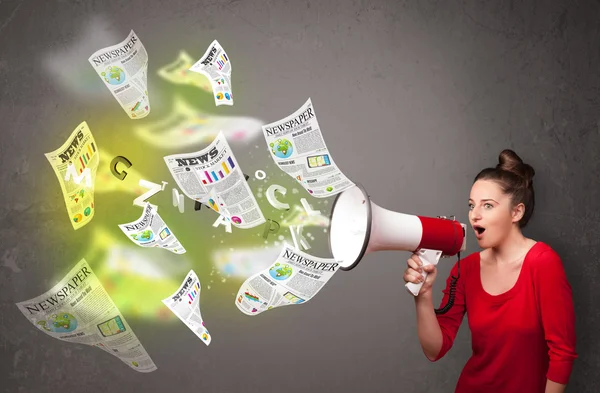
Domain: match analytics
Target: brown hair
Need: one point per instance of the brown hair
(515, 178)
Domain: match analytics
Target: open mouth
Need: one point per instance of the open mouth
(479, 229)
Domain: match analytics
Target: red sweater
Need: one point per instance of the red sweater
(521, 337)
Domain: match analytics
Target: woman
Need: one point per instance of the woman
(515, 293)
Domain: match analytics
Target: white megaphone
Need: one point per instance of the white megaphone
(359, 226)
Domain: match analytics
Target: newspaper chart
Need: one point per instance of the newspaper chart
(294, 278)
(75, 164)
(124, 69)
(79, 310)
(151, 231)
(185, 303)
(297, 147)
(216, 66)
(213, 177)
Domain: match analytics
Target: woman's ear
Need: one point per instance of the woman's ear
(518, 212)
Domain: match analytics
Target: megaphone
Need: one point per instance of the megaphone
(359, 227)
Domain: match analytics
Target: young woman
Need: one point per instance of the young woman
(515, 293)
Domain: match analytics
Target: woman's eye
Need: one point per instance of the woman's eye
(488, 205)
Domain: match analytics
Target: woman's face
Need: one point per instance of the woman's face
(490, 213)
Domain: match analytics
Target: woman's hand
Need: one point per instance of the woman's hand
(414, 274)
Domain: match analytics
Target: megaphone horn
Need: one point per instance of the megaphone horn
(359, 226)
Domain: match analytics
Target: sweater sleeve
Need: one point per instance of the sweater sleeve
(451, 320)
(555, 301)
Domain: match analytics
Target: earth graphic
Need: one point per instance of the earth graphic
(280, 272)
(144, 236)
(282, 148)
(59, 323)
(114, 75)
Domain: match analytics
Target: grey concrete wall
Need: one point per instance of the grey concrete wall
(414, 98)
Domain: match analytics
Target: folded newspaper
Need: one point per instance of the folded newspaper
(294, 278)
(215, 64)
(79, 310)
(185, 303)
(297, 147)
(124, 69)
(213, 177)
(151, 231)
(75, 164)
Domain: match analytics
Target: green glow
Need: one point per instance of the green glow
(138, 279)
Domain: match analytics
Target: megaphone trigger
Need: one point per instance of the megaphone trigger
(428, 257)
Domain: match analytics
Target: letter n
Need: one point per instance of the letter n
(154, 189)
(178, 200)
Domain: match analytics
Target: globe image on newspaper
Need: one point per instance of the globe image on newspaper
(280, 271)
(144, 236)
(282, 148)
(113, 75)
(59, 323)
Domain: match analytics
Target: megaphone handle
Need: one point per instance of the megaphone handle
(429, 257)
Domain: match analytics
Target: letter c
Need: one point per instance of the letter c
(113, 167)
(273, 199)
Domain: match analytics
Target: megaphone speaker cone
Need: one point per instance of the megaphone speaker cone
(350, 227)
(359, 226)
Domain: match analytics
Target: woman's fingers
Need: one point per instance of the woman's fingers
(415, 263)
(411, 275)
(416, 258)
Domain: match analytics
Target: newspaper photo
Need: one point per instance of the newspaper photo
(185, 303)
(75, 164)
(297, 147)
(79, 310)
(213, 177)
(151, 231)
(294, 278)
(178, 72)
(124, 69)
(216, 66)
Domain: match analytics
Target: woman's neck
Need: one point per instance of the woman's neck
(512, 249)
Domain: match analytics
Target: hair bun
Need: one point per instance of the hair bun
(509, 161)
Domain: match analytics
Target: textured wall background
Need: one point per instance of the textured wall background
(413, 97)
